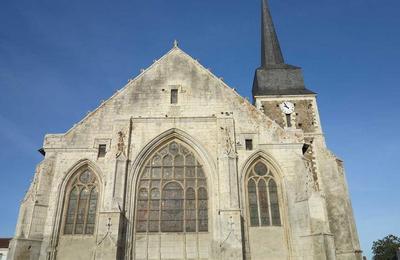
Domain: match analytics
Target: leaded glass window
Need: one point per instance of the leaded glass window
(262, 196)
(82, 199)
(172, 193)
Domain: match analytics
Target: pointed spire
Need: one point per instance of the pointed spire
(270, 48)
(275, 77)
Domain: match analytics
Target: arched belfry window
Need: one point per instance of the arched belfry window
(263, 200)
(172, 193)
(82, 199)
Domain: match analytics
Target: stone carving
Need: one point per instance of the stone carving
(316, 181)
(176, 43)
(232, 232)
(121, 144)
(229, 143)
(107, 235)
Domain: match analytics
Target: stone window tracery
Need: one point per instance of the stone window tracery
(172, 194)
(263, 200)
(81, 210)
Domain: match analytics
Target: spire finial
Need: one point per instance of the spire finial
(176, 43)
(270, 48)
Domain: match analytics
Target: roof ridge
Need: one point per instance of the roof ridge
(130, 81)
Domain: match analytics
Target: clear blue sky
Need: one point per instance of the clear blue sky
(59, 59)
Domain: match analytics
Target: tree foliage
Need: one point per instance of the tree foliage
(386, 248)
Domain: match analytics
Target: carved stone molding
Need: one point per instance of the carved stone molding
(121, 147)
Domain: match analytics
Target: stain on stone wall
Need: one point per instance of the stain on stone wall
(305, 116)
(273, 111)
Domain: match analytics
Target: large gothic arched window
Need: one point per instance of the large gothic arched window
(172, 193)
(263, 200)
(82, 197)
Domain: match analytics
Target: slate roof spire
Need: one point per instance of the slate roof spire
(275, 77)
(271, 53)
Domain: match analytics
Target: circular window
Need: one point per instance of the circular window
(260, 169)
(86, 177)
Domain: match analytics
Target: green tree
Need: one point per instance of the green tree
(386, 248)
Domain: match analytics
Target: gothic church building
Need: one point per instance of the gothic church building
(177, 165)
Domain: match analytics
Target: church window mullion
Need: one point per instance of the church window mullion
(160, 209)
(190, 210)
(71, 210)
(85, 216)
(143, 206)
(197, 210)
(196, 202)
(185, 208)
(148, 189)
(197, 220)
(154, 210)
(82, 206)
(273, 193)
(148, 211)
(253, 202)
(258, 203)
(269, 203)
(202, 209)
(91, 211)
(152, 175)
(77, 208)
(265, 217)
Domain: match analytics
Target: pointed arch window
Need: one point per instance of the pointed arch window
(81, 208)
(172, 194)
(263, 202)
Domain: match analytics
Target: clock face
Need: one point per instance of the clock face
(287, 107)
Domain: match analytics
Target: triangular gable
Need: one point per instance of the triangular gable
(177, 51)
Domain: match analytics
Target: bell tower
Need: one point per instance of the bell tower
(279, 91)
(279, 88)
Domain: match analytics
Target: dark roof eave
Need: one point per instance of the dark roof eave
(278, 92)
(42, 151)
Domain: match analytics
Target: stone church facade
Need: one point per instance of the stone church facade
(177, 165)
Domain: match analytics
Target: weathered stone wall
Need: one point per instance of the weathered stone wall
(273, 111)
(331, 218)
(214, 121)
(305, 116)
(340, 212)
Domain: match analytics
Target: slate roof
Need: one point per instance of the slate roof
(275, 77)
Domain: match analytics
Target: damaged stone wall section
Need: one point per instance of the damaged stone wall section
(310, 159)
